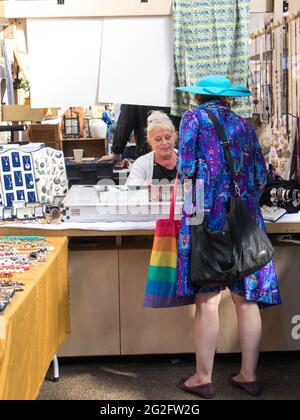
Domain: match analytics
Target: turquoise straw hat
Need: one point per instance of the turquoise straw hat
(217, 86)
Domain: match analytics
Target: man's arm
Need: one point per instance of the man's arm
(124, 129)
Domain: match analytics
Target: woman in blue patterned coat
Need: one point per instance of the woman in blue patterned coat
(201, 157)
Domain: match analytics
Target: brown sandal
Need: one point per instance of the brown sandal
(205, 391)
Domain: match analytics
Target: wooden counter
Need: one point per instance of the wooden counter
(274, 228)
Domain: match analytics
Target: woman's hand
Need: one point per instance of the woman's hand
(112, 156)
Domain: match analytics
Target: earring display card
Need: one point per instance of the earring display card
(17, 177)
(50, 174)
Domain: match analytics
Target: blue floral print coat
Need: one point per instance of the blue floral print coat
(200, 156)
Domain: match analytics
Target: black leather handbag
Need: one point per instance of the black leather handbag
(225, 257)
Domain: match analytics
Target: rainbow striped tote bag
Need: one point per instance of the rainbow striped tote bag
(161, 282)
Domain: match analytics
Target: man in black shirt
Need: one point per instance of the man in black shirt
(133, 118)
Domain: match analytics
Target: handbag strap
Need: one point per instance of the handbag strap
(226, 147)
(173, 199)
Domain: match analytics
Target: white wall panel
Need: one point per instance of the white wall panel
(64, 58)
(262, 6)
(136, 61)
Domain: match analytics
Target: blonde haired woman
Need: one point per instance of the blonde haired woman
(161, 162)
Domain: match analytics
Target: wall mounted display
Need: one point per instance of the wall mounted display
(50, 174)
(275, 67)
(17, 177)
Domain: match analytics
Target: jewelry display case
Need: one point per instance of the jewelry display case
(111, 203)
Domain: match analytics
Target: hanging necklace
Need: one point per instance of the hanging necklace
(27, 162)
(19, 177)
(267, 76)
(286, 76)
(271, 73)
(261, 78)
(278, 84)
(31, 196)
(21, 195)
(255, 101)
(29, 181)
(295, 75)
(8, 181)
(5, 160)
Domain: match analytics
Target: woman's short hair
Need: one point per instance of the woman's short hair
(157, 119)
(206, 98)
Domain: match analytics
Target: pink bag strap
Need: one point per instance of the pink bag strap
(173, 199)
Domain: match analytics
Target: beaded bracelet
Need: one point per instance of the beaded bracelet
(23, 238)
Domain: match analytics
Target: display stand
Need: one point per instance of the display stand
(34, 326)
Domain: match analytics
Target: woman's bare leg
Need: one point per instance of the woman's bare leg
(206, 331)
(250, 329)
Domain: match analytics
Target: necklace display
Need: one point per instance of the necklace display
(275, 65)
(295, 76)
(16, 184)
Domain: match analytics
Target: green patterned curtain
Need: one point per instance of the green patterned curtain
(211, 37)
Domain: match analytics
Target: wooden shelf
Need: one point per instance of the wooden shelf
(84, 139)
